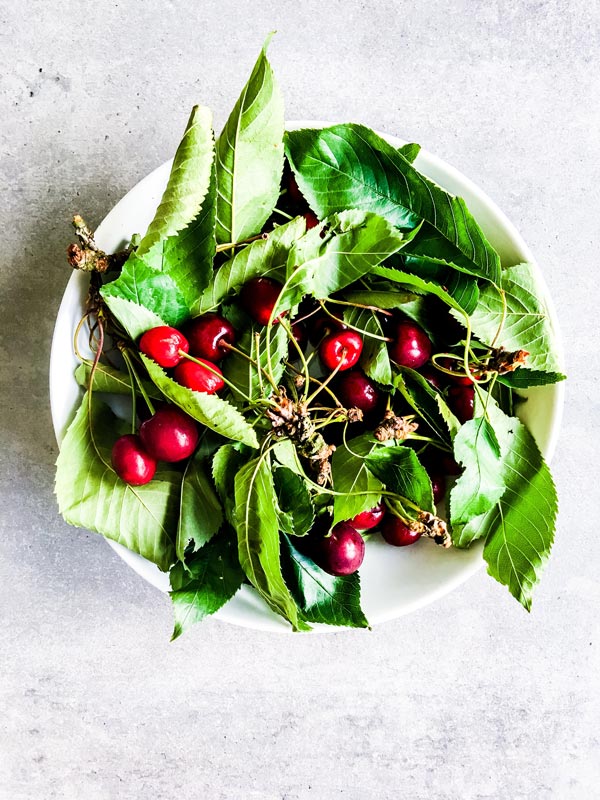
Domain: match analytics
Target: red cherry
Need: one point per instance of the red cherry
(131, 462)
(162, 344)
(321, 325)
(294, 192)
(311, 220)
(411, 346)
(355, 390)
(343, 349)
(208, 336)
(259, 297)
(433, 376)
(207, 379)
(367, 520)
(342, 552)
(463, 380)
(438, 484)
(169, 435)
(461, 400)
(397, 532)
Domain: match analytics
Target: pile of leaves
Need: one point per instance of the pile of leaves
(278, 452)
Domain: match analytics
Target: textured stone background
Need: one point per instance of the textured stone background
(470, 698)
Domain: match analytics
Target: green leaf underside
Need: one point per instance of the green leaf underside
(374, 358)
(260, 259)
(245, 375)
(349, 166)
(321, 598)
(226, 463)
(91, 495)
(428, 403)
(401, 471)
(294, 500)
(209, 580)
(527, 324)
(136, 319)
(109, 380)
(217, 414)
(360, 489)
(257, 527)
(480, 486)
(338, 252)
(250, 157)
(201, 514)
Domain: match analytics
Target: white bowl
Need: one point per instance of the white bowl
(394, 581)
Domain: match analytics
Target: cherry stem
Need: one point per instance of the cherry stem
(318, 382)
(133, 396)
(210, 368)
(232, 245)
(288, 329)
(143, 392)
(282, 213)
(329, 378)
(354, 328)
(360, 305)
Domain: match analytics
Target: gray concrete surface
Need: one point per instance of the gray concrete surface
(469, 698)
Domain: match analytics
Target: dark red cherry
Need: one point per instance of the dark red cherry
(207, 379)
(397, 532)
(355, 390)
(294, 192)
(450, 466)
(131, 462)
(169, 435)
(341, 350)
(411, 347)
(342, 552)
(321, 324)
(367, 520)
(209, 335)
(301, 337)
(259, 297)
(311, 220)
(162, 344)
(438, 484)
(433, 376)
(463, 380)
(461, 400)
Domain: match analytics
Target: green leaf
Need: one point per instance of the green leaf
(336, 253)
(374, 358)
(243, 374)
(419, 285)
(401, 471)
(523, 378)
(527, 325)
(227, 462)
(136, 319)
(257, 527)
(464, 289)
(263, 258)
(349, 166)
(208, 581)
(322, 597)
(250, 156)
(91, 495)
(480, 486)
(111, 381)
(294, 500)
(428, 403)
(410, 151)
(360, 489)
(201, 514)
(217, 414)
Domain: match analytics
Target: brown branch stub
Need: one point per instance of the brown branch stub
(435, 528)
(393, 427)
(503, 361)
(87, 256)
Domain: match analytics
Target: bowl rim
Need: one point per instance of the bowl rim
(268, 622)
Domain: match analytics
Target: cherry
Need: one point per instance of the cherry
(433, 376)
(162, 344)
(397, 532)
(169, 435)
(311, 220)
(294, 192)
(321, 325)
(367, 520)
(209, 335)
(450, 466)
(461, 400)
(300, 335)
(259, 296)
(207, 379)
(342, 552)
(438, 484)
(411, 346)
(355, 390)
(341, 350)
(131, 462)
(462, 380)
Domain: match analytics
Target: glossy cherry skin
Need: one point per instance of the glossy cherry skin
(311, 220)
(367, 520)
(342, 552)
(207, 379)
(170, 435)
(162, 344)
(397, 532)
(355, 390)
(259, 297)
(321, 325)
(209, 335)
(411, 347)
(461, 400)
(341, 350)
(438, 484)
(131, 462)
(433, 376)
